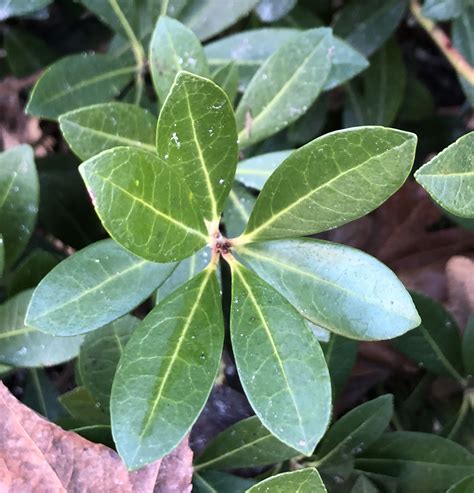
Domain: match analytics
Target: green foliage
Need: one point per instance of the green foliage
(305, 481)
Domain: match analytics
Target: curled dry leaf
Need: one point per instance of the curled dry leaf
(38, 456)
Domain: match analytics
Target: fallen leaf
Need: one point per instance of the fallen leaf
(460, 279)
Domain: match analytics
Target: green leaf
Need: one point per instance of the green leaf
(255, 171)
(227, 78)
(106, 13)
(100, 354)
(81, 405)
(468, 346)
(340, 354)
(220, 482)
(209, 17)
(24, 346)
(174, 48)
(13, 8)
(422, 462)
(463, 41)
(19, 196)
(2, 256)
(92, 288)
(466, 485)
(436, 343)
(94, 129)
(197, 137)
(418, 103)
(76, 81)
(303, 481)
(449, 177)
(237, 210)
(355, 431)
(332, 190)
(383, 89)
(144, 204)
(184, 272)
(279, 361)
(443, 10)
(311, 124)
(364, 485)
(367, 25)
(245, 444)
(25, 53)
(174, 354)
(285, 86)
(329, 285)
(41, 395)
(274, 10)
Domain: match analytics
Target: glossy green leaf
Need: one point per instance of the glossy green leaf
(237, 210)
(255, 171)
(144, 204)
(279, 361)
(422, 462)
(285, 85)
(184, 272)
(245, 444)
(227, 78)
(443, 10)
(100, 354)
(76, 81)
(22, 345)
(466, 485)
(173, 48)
(436, 343)
(220, 482)
(355, 431)
(367, 25)
(468, 346)
(19, 196)
(93, 129)
(13, 8)
(328, 284)
(274, 10)
(382, 92)
(303, 481)
(41, 395)
(82, 406)
(364, 485)
(463, 41)
(209, 17)
(197, 137)
(449, 177)
(340, 354)
(25, 53)
(331, 190)
(106, 10)
(92, 288)
(174, 355)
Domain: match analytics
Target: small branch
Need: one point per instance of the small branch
(463, 410)
(137, 49)
(457, 61)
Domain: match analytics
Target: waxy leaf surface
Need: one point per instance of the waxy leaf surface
(94, 129)
(285, 86)
(329, 180)
(76, 81)
(197, 137)
(107, 11)
(144, 204)
(303, 481)
(173, 48)
(227, 78)
(449, 177)
(245, 444)
(167, 371)
(237, 210)
(92, 288)
(218, 482)
(279, 361)
(328, 284)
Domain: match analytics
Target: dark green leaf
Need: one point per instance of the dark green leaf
(436, 343)
(106, 13)
(227, 77)
(237, 210)
(274, 10)
(22, 345)
(82, 406)
(449, 177)
(197, 137)
(19, 196)
(2, 256)
(220, 482)
(332, 190)
(92, 288)
(443, 10)
(355, 431)
(309, 126)
(364, 485)
(367, 25)
(303, 481)
(280, 363)
(285, 85)
(93, 129)
(100, 354)
(144, 204)
(418, 103)
(13, 8)
(41, 395)
(423, 463)
(468, 346)
(466, 485)
(76, 81)
(167, 370)
(463, 41)
(245, 444)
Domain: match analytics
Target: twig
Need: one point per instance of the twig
(458, 62)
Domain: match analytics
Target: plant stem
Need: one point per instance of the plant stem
(164, 7)
(457, 61)
(137, 49)
(465, 405)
